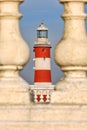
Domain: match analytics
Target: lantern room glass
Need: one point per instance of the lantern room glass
(42, 34)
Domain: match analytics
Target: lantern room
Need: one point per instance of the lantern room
(42, 34)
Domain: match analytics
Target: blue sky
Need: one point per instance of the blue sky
(34, 12)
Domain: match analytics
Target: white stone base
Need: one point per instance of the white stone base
(43, 91)
(43, 117)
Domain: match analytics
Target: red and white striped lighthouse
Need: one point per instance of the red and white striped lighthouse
(42, 69)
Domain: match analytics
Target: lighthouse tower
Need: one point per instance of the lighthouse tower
(42, 69)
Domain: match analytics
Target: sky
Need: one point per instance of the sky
(34, 12)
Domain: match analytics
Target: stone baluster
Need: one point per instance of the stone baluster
(71, 55)
(14, 54)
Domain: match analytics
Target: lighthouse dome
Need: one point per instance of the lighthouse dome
(42, 27)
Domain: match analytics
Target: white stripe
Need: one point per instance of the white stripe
(42, 83)
(42, 64)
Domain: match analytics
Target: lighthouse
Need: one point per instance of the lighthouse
(42, 68)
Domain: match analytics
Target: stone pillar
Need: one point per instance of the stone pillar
(71, 55)
(14, 54)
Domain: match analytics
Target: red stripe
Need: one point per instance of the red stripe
(42, 52)
(42, 76)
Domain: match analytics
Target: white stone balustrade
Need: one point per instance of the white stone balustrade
(14, 54)
(71, 55)
(68, 107)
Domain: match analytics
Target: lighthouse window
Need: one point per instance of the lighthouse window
(42, 34)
